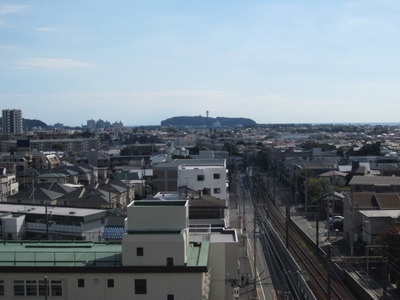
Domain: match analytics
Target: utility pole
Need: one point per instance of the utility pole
(385, 272)
(255, 250)
(329, 287)
(317, 229)
(47, 221)
(287, 225)
(305, 192)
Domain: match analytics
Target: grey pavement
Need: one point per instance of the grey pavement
(261, 276)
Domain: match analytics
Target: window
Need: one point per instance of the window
(217, 191)
(37, 288)
(216, 175)
(1, 287)
(200, 177)
(140, 286)
(170, 261)
(19, 288)
(31, 288)
(170, 297)
(81, 282)
(55, 288)
(139, 251)
(110, 283)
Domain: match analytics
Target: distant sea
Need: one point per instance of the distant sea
(313, 124)
(361, 123)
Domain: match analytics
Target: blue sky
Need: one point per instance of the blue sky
(141, 62)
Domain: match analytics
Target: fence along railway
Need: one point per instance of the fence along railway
(312, 265)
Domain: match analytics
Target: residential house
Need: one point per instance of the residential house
(41, 161)
(206, 179)
(8, 182)
(165, 175)
(356, 205)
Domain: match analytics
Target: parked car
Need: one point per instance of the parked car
(336, 219)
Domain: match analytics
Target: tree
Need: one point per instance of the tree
(58, 147)
(390, 236)
(316, 188)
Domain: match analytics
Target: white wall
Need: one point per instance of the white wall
(14, 224)
(156, 249)
(188, 176)
(184, 286)
(157, 217)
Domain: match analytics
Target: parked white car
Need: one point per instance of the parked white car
(336, 219)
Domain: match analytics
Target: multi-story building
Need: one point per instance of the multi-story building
(51, 222)
(12, 121)
(8, 182)
(67, 144)
(156, 260)
(165, 175)
(204, 179)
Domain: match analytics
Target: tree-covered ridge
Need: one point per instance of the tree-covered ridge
(199, 121)
(27, 123)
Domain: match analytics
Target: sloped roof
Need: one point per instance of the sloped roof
(333, 173)
(57, 187)
(388, 200)
(364, 200)
(38, 194)
(375, 180)
(94, 198)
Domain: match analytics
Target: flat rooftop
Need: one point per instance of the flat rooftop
(159, 203)
(62, 254)
(221, 236)
(387, 213)
(54, 210)
(79, 254)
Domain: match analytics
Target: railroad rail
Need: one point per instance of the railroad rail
(321, 280)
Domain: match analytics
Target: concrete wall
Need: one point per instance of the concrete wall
(14, 225)
(188, 176)
(156, 249)
(162, 217)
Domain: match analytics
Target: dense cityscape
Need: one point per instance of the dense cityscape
(105, 211)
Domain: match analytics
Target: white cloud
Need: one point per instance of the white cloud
(6, 47)
(8, 8)
(53, 63)
(46, 28)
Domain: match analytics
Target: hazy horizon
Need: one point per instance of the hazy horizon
(140, 62)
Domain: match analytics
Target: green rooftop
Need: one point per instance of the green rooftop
(79, 254)
(65, 254)
(198, 254)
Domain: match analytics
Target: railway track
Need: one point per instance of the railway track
(322, 282)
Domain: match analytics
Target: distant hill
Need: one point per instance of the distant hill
(199, 121)
(27, 123)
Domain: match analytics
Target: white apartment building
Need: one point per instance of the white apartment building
(205, 179)
(156, 260)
